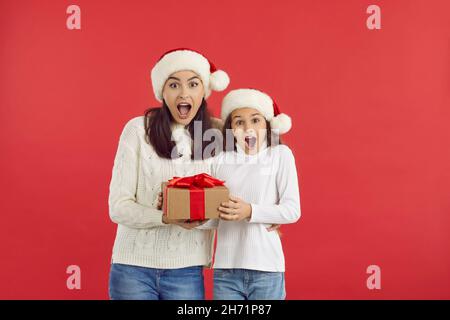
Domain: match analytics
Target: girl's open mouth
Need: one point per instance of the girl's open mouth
(250, 141)
(183, 109)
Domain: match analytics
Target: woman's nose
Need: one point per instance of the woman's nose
(184, 92)
(183, 95)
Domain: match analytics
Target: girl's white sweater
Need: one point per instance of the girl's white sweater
(268, 181)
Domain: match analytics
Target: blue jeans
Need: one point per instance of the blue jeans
(127, 282)
(244, 284)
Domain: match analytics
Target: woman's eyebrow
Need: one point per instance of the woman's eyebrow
(194, 77)
(174, 78)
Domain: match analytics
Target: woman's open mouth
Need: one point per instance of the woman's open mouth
(250, 141)
(183, 110)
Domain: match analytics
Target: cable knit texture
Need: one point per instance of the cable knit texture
(142, 239)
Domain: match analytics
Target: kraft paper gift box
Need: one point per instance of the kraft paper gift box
(193, 198)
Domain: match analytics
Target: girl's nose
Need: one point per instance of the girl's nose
(249, 129)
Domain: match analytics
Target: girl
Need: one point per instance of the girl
(154, 258)
(262, 176)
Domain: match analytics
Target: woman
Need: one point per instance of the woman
(155, 258)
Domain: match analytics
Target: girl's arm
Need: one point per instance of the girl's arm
(123, 208)
(288, 208)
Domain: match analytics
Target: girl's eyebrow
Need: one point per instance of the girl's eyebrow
(173, 78)
(194, 77)
(255, 114)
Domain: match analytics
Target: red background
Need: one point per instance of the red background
(370, 110)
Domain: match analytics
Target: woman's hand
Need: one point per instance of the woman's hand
(235, 209)
(191, 224)
(160, 201)
(274, 227)
(186, 224)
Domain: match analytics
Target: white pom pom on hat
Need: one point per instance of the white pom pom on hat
(282, 122)
(187, 59)
(219, 80)
(252, 98)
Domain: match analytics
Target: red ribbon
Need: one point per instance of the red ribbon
(196, 185)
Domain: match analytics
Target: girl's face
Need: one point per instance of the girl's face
(183, 93)
(249, 129)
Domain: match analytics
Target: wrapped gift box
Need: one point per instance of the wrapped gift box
(193, 198)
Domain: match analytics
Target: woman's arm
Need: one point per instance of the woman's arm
(288, 208)
(123, 208)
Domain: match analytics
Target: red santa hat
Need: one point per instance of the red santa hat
(186, 59)
(251, 98)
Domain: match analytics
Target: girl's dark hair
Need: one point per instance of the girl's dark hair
(270, 136)
(158, 132)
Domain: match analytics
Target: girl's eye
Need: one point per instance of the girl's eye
(255, 120)
(193, 84)
(173, 85)
(239, 122)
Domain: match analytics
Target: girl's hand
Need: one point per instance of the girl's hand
(235, 209)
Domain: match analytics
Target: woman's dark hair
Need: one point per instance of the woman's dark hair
(159, 134)
(272, 138)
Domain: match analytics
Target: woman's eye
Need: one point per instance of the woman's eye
(256, 120)
(173, 85)
(193, 84)
(239, 122)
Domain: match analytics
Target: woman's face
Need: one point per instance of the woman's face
(249, 129)
(183, 93)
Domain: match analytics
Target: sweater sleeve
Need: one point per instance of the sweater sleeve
(123, 207)
(288, 208)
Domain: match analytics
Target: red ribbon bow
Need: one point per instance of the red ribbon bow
(196, 185)
(201, 180)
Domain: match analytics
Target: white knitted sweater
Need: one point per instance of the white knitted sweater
(142, 239)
